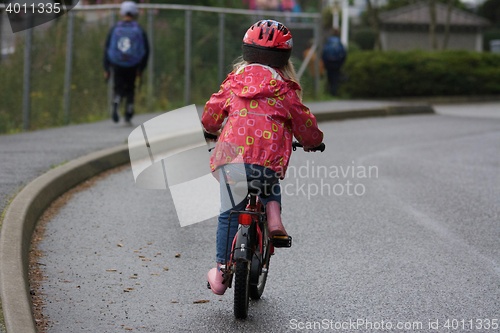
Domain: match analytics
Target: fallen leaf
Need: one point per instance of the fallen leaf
(111, 270)
(165, 268)
(177, 255)
(201, 301)
(119, 245)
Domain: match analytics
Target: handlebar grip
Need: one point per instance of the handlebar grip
(321, 147)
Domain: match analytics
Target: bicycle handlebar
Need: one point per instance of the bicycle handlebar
(210, 136)
(296, 145)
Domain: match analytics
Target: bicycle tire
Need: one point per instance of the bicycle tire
(256, 290)
(241, 289)
(260, 265)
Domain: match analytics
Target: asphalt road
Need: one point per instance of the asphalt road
(409, 241)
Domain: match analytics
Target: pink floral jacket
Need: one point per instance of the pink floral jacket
(263, 113)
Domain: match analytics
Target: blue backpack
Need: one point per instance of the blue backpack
(333, 50)
(126, 47)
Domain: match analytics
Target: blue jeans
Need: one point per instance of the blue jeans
(226, 229)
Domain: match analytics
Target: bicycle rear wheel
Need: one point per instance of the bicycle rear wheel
(241, 289)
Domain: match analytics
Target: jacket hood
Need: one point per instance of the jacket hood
(259, 81)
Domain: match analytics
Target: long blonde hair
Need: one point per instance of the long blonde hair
(288, 71)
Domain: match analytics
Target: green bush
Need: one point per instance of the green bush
(364, 38)
(419, 73)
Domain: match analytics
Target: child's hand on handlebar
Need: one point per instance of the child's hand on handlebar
(321, 148)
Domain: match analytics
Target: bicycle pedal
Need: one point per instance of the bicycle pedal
(282, 241)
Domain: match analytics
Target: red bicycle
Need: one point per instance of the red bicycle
(252, 247)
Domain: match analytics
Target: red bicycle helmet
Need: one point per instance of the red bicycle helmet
(268, 42)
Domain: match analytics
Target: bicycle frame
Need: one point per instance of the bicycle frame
(250, 238)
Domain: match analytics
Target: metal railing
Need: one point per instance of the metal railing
(183, 40)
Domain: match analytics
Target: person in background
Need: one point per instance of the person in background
(333, 56)
(126, 54)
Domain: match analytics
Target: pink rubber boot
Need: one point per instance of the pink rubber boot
(273, 211)
(215, 279)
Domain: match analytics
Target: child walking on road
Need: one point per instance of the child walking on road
(126, 54)
(261, 100)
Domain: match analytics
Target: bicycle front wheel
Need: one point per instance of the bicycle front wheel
(241, 289)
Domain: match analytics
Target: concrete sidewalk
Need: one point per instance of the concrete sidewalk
(54, 156)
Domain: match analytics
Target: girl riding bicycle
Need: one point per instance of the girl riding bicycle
(261, 102)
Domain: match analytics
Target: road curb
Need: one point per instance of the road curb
(20, 221)
(27, 207)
